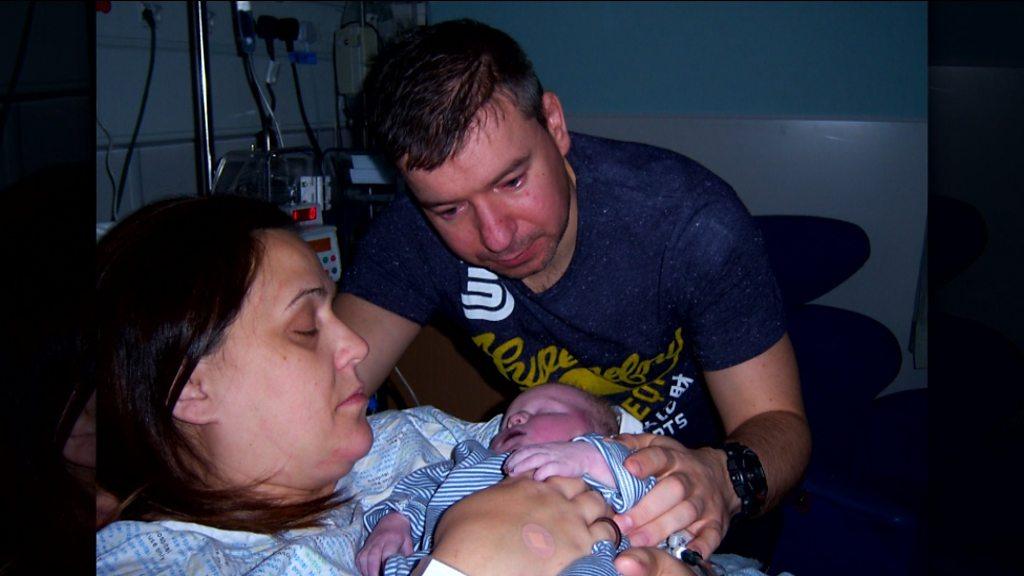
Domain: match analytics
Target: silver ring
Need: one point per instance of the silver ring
(615, 527)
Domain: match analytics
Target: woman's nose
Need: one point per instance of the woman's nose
(350, 348)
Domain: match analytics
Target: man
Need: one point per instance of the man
(626, 270)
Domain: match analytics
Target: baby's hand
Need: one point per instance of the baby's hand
(392, 535)
(569, 459)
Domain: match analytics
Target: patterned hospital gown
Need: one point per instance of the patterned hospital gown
(403, 442)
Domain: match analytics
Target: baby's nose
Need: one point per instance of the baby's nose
(518, 418)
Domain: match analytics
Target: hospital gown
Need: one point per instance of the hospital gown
(403, 442)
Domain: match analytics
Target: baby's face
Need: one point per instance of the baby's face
(547, 413)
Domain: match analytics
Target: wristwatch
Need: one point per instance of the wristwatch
(747, 476)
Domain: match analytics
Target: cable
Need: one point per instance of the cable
(273, 98)
(147, 15)
(106, 159)
(19, 61)
(317, 152)
(407, 387)
(265, 106)
(245, 43)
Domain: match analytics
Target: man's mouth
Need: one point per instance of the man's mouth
(516, 258)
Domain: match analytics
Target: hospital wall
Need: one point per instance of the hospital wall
(804, 108)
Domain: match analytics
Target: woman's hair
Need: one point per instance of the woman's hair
(424, 91)
(171, 279)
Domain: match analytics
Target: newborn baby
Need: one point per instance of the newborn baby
(548, 430)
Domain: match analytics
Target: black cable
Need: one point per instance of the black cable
(106, 156)
(317, 152)
(147, 15)
(19, 61)
(244, 31)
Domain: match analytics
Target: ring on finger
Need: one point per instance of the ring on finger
(615, 527)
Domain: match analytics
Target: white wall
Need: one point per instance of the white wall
(871, 173)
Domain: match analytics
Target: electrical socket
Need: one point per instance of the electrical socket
(154, 7)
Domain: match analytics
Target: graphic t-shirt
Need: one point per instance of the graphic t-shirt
(669, 278)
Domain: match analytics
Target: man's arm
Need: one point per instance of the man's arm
(761, 407)
(387, 334)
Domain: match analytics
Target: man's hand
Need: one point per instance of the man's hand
(693, 492)
(569, 459)
(638, 561)
(392, 535)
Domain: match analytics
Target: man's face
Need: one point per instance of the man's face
(505, 201)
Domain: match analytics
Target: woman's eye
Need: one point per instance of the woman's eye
(307, 333)
(514, 183)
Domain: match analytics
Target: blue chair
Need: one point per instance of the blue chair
(858, 509)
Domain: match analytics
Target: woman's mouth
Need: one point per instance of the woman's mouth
(353, 400)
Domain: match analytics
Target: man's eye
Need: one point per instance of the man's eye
(514, 183)
(447, 213)
(307, 333)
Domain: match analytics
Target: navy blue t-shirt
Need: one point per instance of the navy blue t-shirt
(669, 278)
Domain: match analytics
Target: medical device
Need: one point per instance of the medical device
(291, 179)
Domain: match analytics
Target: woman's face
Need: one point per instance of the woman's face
(279, 402)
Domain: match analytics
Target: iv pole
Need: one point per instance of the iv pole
(199, 50)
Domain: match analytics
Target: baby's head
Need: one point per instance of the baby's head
(553, 413)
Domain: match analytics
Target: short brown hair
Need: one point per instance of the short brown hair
(424, 91)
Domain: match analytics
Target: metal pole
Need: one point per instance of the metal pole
(199, 49)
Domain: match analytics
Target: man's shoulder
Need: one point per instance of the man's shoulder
(637, 164)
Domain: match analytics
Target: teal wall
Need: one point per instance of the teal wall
(731, 59)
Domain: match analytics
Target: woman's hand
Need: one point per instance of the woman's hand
(521, 526)
(693, 492)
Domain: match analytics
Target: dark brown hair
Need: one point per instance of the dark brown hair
(424, 91)
(171, 279)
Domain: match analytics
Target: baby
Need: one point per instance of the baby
(548, 430)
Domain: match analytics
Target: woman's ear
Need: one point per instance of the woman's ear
(195, 405)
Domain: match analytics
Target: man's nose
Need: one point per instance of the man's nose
(497, 229)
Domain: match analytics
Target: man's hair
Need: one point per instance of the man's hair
(424, 91)
(171, 279)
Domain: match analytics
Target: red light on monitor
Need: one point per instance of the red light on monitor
(304, 214)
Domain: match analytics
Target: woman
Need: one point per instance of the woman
(232, 422)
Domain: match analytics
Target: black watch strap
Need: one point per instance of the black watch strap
(747, 476)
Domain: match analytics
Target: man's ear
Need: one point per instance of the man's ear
(195, 405)
(555, 118)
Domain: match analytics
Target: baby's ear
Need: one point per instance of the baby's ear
(195, 405)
